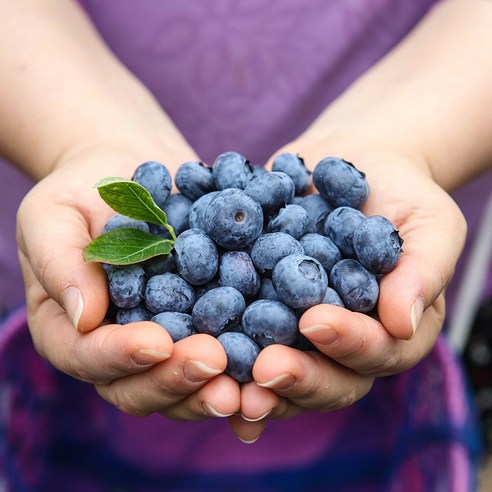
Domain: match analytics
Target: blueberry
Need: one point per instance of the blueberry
(231, 170)
(293, 166)
(133, 315)
(300, 281)
(118, 221)
(291, 219)
(196, 257)
(169, 292)
(197, 211)
(270, 248)
(322, 248)
(332, 297)
(317, 209)
(267, 291)
(268, 322)
(178, 325)
(258, 171)
(155, 177)
(357, 287)
(236, 270)
(340, 183)
(194, 179)
(340, 225)
(233, 219)
(159, 265)
(177, 210)
(377, 244)
(218, 310)
(272, 190)
(241, 354)
(203, 289)
(126, 285)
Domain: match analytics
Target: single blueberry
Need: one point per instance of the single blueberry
(322, 248)
(169, 292)
(236, 270)
(268, 322)
(357, 287)
(133, 315)
(218, 310)
(291, 219)
(118, 221)
(194, 179)
(177, 210)
(317, 209)
(272, 190)
(340, 225)
(203, 289)
(197, 211)
(267, 291)
(241, 353)
(178, 325)
(293, 166)
(155, 177)
(300, 281)
(341, 183)
(233, 219)
(270, 248)
(159, 265)
(258, 171)
(231, 170)
(332, 297)
(196, 256)
(126, 285)
(377, 244)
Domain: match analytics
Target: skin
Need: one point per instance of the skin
(416, 124)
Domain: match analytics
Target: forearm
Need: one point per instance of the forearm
(429, 98)
(62, 92)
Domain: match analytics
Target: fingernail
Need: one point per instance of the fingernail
(282, 382)
(146, 357)
(196, 371)
(257, 418)
(248, 441)
(211, 412)
(321, 334)
(416, 312)
(73, 304)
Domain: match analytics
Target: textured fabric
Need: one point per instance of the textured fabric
(246, 76)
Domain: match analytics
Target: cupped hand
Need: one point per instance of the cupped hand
(354, 347)
(135, 367)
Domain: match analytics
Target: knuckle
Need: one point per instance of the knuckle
(126, 402)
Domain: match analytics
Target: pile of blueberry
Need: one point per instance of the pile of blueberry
(254, 252)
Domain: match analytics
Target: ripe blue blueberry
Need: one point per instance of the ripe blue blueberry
(241, 353)
(236, 270)
(293, 166)
(178, 325)
(357, 287)
(177, 210)
(197, 211)
(332, 297)
(268, 322)
(377, 244)
(340, 225)
(159, 265)
(118, 221)
(169, 292)
(231, 170)
(270, 248)
(291, 219)
(133, 315)
(156, 179)
(341, 183)
(322, 248)
(300, 281)
(218, 310)
(267, 291)
(194, 179)
(317, 209)
(203, 289)
(196, 256)
(233, 219)
(126, 285)
(273, 190)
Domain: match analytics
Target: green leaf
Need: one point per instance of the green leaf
(126, 246)
(132, 200)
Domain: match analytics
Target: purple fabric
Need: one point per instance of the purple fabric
(246, 76)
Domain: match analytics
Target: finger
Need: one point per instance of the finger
(195, 360)
(218, 398)
(309, 379)
(51, 242)
(246, 431)
(362, 343)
